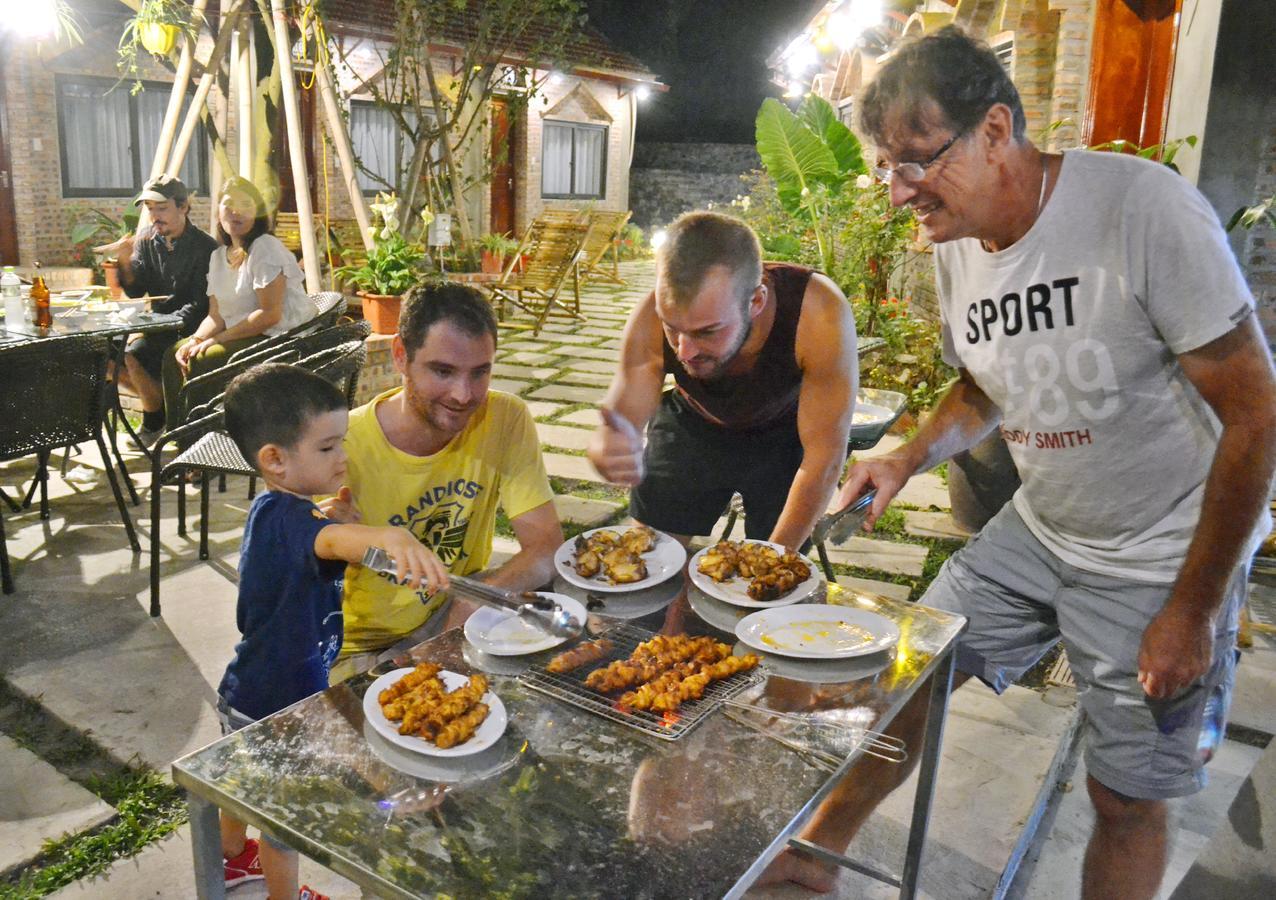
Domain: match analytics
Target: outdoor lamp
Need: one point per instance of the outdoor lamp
(30, 19)
(853, 19)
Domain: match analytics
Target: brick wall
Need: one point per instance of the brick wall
(1071, 70)
(1259, 257)
(669, 179)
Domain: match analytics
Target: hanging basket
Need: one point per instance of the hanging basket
(158, 37)
(381, 311)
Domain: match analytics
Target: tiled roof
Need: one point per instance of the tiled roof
(377, 17)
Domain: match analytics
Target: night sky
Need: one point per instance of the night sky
(711, 53)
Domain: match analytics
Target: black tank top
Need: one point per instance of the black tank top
(767, 393)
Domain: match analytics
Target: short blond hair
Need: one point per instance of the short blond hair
(698, 241)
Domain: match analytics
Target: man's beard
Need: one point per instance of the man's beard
(724, 362)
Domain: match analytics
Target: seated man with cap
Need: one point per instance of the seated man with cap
(166, 258)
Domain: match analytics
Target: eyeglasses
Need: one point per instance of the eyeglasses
(913, 172)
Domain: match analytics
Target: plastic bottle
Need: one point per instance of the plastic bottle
(15, 310)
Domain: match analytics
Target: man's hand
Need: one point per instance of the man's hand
(1177, 649)
(341, 508)
(616, 449)
(887, 473)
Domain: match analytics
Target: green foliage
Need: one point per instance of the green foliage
(912, 360)
(498, 244)
(101, 227)
(394, 263)
(633, 243)
(1249, 216)
(176, 13)
(1165, 153)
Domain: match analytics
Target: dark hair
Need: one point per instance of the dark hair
(962, 76)
(448, 301)
(273, 403)
(261, 224)
(698, 241)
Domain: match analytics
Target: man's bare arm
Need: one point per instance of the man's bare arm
(1234, 375)
(825, 349)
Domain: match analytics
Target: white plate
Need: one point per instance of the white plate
(486, 735)
(664, 561)
(501, 632)
(869, 414)
(630, 605)
(816, 631)
(462, 769)
(736, 591)
(821, 671)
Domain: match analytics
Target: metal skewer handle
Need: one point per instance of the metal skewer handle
(874, 743)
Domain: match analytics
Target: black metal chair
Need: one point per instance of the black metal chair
(212, 452)
(329, 307)
(55, 392)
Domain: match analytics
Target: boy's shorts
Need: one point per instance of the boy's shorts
(1021, 599)
(231, 721)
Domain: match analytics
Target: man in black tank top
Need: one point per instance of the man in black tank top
(764, 363)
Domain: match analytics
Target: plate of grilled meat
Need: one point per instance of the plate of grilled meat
(754, 574)
(430, 710)
(619, 558)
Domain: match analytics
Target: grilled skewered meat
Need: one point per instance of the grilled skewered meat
(580, 655)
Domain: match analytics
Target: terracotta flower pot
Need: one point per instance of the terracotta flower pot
(110, 272)
(492, 264)
(382, 311)
(158, 37)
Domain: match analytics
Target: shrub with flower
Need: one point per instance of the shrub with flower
(394, 263)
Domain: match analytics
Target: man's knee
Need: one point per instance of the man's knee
(1117, 810)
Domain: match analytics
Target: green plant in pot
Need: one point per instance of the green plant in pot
(496, 249)
(101, 228)
(393, 265)
(157, 28)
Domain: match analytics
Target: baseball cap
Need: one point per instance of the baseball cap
(164, 187)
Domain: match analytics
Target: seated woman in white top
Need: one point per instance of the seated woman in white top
(255, 290)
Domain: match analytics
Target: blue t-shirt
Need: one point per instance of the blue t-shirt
(289, 609)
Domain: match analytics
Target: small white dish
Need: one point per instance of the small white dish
(818, 631)
(501, 632)
(485, 736)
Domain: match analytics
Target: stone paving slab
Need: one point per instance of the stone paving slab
(589, 513)
(567, 338)
(924, 490)
(597, 366)
(530, 358)
(889, 589)
(587, 378)
(587, 417)
(508, 385)
(933, 525)
(611, 356)
(38, 803)
(564, 436)
(560, 465)
(887, 556)
(598, 332)
(519, 345)
(568, 393)
(506, 370)
(542, 408)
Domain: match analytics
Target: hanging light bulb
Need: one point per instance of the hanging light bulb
(853, 19)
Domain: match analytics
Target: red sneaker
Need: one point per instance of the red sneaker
(244, 867)
(309, 893)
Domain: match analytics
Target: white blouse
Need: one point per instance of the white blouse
(236, 289)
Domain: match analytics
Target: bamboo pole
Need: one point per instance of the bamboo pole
(193, 115)
(345, 151)
(181, 81)
(244, 89)
(296, 148)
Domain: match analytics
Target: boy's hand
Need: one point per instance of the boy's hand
(341, 508)
(415, 563)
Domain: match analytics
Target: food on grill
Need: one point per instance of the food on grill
(648, 660)
(693, 686)
(422, 706)
(668, 670)
(771, 574)
(580, 655)
(615, 557)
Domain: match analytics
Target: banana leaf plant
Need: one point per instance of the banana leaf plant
(812, 156)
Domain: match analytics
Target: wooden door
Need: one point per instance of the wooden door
(8, 215)
(502, 219)
(1130, 70)
(306, 106)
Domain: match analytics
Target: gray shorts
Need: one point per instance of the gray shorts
(1021, 599)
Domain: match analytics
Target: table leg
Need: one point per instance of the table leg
(941, 684)
(206, 847)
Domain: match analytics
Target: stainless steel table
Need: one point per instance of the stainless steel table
(566, 803)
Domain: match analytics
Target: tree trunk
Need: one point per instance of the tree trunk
(454, 175)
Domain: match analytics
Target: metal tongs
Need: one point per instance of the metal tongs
(529, 606)
(840, 525)
(873, 743)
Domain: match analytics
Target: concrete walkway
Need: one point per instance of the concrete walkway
(79, 641)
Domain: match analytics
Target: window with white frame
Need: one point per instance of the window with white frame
(384, 149)
(573, 160)
(107, 137)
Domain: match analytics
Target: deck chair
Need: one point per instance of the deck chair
(605, 227)
(551, 252)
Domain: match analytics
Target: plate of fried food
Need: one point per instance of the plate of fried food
(430, 710)
(620, 558)
(754, 574)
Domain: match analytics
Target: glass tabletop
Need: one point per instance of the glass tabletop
(90, 323)
(565, 803)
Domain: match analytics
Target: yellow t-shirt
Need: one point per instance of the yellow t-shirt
(448, 500)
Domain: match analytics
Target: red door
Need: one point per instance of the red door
(502, 168)
(8, 216)
(283, 158)
(1130, 70)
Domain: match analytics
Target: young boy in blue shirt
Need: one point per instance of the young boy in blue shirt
(289, 423)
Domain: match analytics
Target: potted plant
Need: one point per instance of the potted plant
(392, 266)
(101, 227)
(496, 248)
(157, 28)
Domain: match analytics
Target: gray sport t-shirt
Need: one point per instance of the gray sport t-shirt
(1073, 332)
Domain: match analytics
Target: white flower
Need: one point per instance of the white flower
(745, 201)
(863, 181)
(806, 192)
(426, 216)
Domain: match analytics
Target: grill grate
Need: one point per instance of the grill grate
(570, 688)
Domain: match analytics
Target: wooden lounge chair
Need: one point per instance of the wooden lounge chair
(605, 227)
(550, 252)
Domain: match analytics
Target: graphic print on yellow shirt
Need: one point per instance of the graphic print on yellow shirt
(448, 500)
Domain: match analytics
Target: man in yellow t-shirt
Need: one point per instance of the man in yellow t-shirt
(437, 456)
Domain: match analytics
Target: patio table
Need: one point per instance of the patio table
(566, 803)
